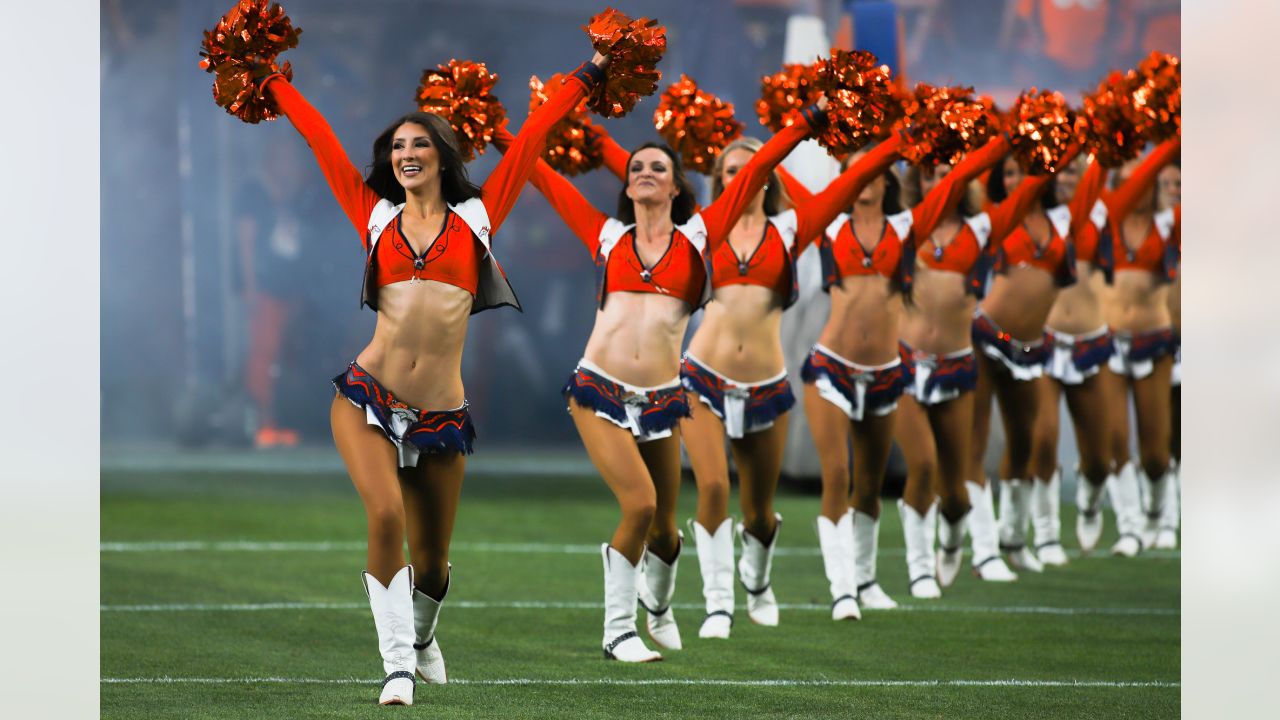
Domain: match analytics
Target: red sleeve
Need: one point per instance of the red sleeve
(796, 189)
(1007, 215)
(814, 215)
(1121, 202)
(356, 198)
(1088, 190)
(946, 195)
(583, 219)
(503, 186)
(615, 156)
(721, 215)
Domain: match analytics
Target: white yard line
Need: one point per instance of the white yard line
(663, 681)
(538, 605)
(463, 547)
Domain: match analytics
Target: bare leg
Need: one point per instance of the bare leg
(758, 457)
(952, 423)
(662, 458)
(915, 436)
(1088, 404)
(431, 493)
(872, 440)
(1046, 431)
(1151, 401)
(703, 435)
(371, 461)
(614, 453)
(831, 431)
(983, 395)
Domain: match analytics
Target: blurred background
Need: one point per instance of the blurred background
(231, 279)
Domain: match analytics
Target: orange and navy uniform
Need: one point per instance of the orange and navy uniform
(683, 270)
(1161, 249)
(460, 255)
(1058, 256)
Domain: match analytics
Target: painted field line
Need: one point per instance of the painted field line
(464, 547)
(1012, 683)
(538, 605)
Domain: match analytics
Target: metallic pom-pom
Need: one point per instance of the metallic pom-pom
(461, 92)
(944, 123)
(241, 50)
(1157, 96)
(573, 145)
(784, 92)
(1041, 128)
(1110, 122)
(634, 48)
(697, 124)
(861, 104)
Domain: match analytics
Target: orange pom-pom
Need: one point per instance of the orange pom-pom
(784, 92)
(1041, 128)
(861, 104)
(573, 145)
(241, 50)
(944, 123)
(462, 93)
(1109, 126)
(697, 124)
(634, 48)
(1157, 96)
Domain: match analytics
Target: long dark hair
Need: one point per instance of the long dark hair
(772, 189)
(682, 205)
(455, 185)
(998, 193)
(891, 202)
(913, 195)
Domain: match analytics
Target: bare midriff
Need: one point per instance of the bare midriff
(416, 351)
(863, 324)
(1078, 309)
(1019, 301)
(1139, 302)
(740, 334)
(939, 317)
(637, 336)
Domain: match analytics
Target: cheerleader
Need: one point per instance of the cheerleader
(1170, 184)
(626, 397)
(400, 418)
(735, 374)
(948, 265)
(1143, 246)
(1032, 261)
(1080, 344)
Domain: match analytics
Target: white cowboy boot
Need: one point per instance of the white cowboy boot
(837, 560)
(1168, 537)
(1155, 494)
(866, 532)
(1015, 516)
(715, 559)
(658, 584)
(1089, 516)
(753, 571)
(1127, 503)
(620, 639)
(987, 563)
(392, 608)
(919, 532)
(950, 548)
(426, 611)
(1045, 520)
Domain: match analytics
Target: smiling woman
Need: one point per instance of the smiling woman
(400, 417)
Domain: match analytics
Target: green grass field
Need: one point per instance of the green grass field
(237, 594)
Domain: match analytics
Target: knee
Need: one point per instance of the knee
(1094, 470)
(640, 508)
(386, 523)
(922, 472)
(714, 491)
(1044, 457)
(835, 475)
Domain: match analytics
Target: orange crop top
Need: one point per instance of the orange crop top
(460, 254)
(788, 234)
(682, 270)
(1161, 247)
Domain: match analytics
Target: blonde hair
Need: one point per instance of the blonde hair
(774, 193)
(912, 195)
